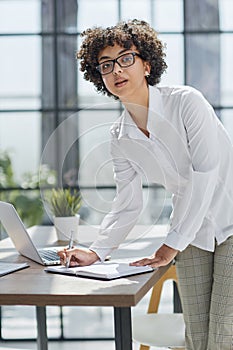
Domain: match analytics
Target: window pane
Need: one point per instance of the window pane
(67, 67)
(227, 120)
(218, 112)
(88, 96)
(20, 72)
(48, 73)
(174, 59)
(203, 64)
(226, 14)
(136, 9)
(94, 136)
(26, 322)
(201, 15)
(156, 206)
(226, 69)
(20, 16)
(101, 322)
(24, 151)
(95, 167)
(67, 12)
(100, 13)
(86, 91)
(168, 15)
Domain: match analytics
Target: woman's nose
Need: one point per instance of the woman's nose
(117, 68)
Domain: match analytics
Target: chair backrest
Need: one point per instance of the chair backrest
(170, 274)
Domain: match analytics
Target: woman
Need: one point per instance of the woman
(171, 135)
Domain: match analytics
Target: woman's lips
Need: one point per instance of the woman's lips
(120, 83)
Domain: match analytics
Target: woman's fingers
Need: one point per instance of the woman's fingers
(153, 262)
(77, 256)
(162, 257)
(67, 255)
(141, 262)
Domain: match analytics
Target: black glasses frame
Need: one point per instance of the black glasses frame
(116, 61)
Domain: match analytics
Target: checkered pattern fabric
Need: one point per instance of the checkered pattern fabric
(206, 290)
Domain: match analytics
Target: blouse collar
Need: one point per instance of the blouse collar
(128, 126)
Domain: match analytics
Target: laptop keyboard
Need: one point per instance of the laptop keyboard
(49, 254)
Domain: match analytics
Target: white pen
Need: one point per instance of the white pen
(69, 247)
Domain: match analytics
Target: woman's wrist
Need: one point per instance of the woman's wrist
(93, 256)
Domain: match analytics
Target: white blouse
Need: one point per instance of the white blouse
(190, 154)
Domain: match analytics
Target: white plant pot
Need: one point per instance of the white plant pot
(64, 226)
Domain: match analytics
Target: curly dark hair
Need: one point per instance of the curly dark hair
(126, 34)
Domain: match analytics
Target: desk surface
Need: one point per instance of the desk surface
(33, 286)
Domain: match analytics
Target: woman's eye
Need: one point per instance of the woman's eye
(106, 66)
(126, 59)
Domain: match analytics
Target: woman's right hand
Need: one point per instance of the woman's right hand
(77, 256)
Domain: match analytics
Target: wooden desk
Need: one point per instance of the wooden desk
(33, 286)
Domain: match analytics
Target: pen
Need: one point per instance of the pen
(69, 247)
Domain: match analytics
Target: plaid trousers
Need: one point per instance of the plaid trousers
(206, 291)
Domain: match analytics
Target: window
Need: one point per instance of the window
(42, 90)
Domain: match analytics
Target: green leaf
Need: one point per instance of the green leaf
(64, 202)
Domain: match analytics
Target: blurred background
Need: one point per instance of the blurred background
(54, 127)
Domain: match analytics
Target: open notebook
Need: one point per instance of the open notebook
(107, 270)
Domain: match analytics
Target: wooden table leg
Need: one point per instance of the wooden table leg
(42, 341)
(123, 328)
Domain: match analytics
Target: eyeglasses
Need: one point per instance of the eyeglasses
(124, 61)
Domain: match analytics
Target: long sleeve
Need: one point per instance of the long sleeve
(191, 207)
(126, 206)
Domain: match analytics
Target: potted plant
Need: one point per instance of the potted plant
(65, 205)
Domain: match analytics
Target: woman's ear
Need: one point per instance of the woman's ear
(147, 69)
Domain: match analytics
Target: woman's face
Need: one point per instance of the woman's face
(124, 82)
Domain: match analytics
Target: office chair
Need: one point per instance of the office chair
(157, 329)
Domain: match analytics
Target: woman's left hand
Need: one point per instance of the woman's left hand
(163, 256)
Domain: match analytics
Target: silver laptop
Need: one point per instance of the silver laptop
(21, 239)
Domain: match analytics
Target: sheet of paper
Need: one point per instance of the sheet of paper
(106, 270)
